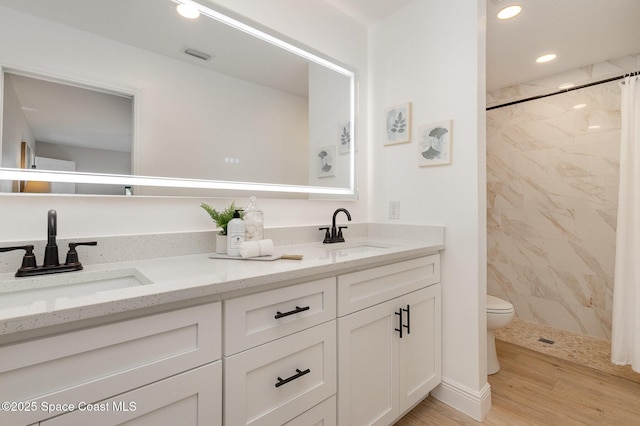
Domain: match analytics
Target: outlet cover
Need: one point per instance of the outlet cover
(394, 209)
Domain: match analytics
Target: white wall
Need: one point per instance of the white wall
(431, 53)
(24, 216)
(90, 160)
(14, 131)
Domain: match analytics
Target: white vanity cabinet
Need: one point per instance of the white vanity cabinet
(359, 346)
(164, 363)
(280, 356)
(389, 339)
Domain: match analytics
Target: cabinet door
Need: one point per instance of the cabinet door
(368, 366)
(419, 357)
(191, 398)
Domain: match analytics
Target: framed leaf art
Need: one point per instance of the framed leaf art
(398, 124)
(434, 144)
(344, 137)
(325, 161)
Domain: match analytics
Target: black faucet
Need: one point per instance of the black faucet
(335, 235)
(51, 264)
(51, 250)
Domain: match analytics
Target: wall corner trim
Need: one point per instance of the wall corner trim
(473, 403)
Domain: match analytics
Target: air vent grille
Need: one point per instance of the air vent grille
(197, 54)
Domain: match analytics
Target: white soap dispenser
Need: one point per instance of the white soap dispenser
(235, 234)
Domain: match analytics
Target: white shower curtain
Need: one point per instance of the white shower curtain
(625, 338)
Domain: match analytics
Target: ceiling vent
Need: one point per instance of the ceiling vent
(197, 54)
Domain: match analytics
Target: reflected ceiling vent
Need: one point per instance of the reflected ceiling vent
(197, 54)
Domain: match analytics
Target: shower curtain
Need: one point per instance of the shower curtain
(625, 336)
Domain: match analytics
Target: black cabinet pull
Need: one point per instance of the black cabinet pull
(401, 324)
(298, 309)
(399, 329)
(282, 381)
(408, 326)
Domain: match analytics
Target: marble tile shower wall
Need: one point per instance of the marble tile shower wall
(552, 189)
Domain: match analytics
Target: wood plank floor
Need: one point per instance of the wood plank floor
(533, 388)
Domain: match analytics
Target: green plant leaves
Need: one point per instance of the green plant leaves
(221, 218)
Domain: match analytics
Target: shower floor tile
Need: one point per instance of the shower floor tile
(585, 350)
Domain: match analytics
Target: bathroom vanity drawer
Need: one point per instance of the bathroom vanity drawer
(259, 318)
(323, 414)
(359, 290)
(191, 398)
(98, 362)
(277, 381)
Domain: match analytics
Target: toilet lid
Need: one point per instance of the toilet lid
(495, 304)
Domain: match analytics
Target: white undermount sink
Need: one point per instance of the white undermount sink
(367, 247)
(64, 286)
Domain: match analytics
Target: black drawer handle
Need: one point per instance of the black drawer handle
(298, 309)
(282, 381)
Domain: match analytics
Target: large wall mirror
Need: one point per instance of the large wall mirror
(121, 96)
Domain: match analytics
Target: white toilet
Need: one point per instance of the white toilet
(499, 314)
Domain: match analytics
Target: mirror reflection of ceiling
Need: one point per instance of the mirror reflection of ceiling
(144, 24)
(71, 115)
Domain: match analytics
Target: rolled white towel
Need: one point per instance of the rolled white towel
(256, 248)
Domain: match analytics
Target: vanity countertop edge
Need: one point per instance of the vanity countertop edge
(188, 278)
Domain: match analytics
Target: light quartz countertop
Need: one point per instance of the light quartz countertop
(184, 278)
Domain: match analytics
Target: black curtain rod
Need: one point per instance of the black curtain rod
(533, 98)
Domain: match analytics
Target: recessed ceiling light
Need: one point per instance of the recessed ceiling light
(188, 11)
(566, 86)
(546, 58)
(509, 11)
(579, 106)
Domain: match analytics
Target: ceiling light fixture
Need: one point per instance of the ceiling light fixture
(509, 11)
(188, 11)
(546, 58)
(579, 106)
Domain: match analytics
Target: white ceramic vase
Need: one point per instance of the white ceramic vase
(221, 244)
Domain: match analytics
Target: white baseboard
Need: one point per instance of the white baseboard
(474, 404)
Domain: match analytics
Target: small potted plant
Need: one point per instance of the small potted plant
(221, 218)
